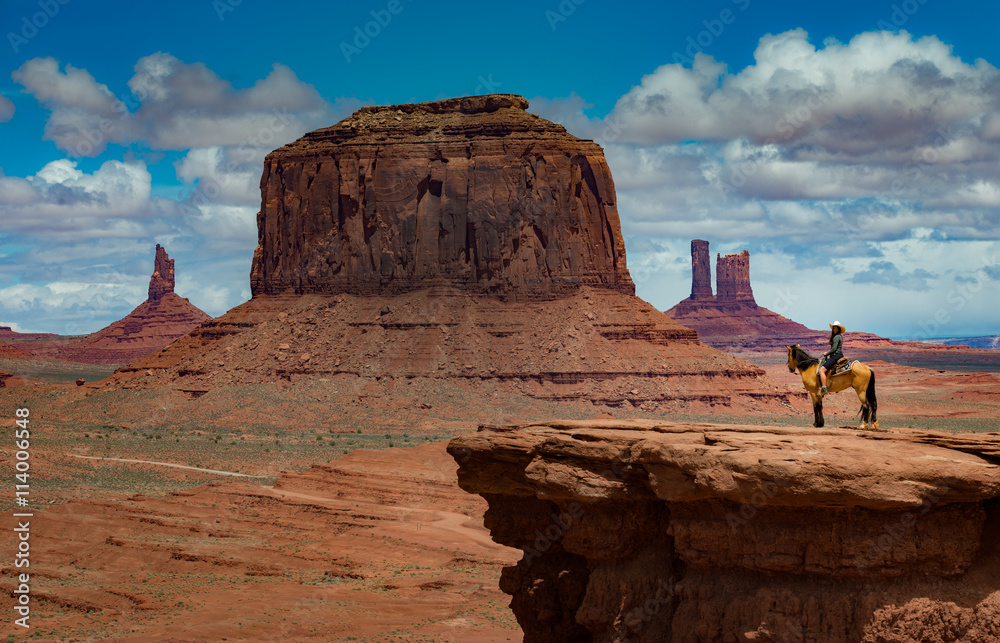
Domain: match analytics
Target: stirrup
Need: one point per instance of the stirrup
(823, 391)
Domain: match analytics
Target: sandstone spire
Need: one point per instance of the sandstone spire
(701, 270)
(162, 281)
(732, 278)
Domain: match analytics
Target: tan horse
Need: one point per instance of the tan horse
(859, 377)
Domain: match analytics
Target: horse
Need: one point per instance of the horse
(860, 377)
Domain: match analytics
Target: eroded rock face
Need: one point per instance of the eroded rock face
(472, 193)
(645, 531)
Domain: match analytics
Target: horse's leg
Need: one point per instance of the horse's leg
(817, 410)
(863, 382)
(871, 399)
(858, 383)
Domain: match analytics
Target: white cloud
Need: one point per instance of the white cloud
(85, 116)
(6, 109)
(63, 200)
(225, 174)
(880, 92)
(226, 224)
(172, 105)
(188, 105)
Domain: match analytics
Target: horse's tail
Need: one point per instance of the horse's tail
(870, 394)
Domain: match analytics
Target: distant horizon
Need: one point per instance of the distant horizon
(853, 155)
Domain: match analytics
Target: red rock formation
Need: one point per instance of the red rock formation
(732, 320)
(732, 279)
(473, 193)
(8, 380)
(701, 271)
(12, 350)
(154, 324)
(647, 531)
(457, 242)
(8, 334)
(162, 280)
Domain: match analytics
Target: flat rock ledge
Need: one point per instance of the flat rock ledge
(664, 531)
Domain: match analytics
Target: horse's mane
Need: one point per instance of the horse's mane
(803, 358)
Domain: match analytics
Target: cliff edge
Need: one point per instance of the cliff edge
(652, 531)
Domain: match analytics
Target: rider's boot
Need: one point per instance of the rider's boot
(823, 391)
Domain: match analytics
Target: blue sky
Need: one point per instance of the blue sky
(853, 148)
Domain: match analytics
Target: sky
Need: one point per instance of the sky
(852, 148)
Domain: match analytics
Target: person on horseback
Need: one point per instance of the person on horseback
(832, 356)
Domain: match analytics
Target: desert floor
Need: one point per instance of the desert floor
(345, 527)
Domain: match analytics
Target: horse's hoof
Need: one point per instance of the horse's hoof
(875, 426)
(864, 426)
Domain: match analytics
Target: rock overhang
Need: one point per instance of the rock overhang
(770, 465)
(677, 531)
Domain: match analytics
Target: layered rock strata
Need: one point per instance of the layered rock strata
(595, 347)
(154, 323)
(459, 244)
(646, 531)
(472, 193)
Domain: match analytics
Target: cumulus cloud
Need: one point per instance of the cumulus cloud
(877, 94)
(6, 109)
(85, 114)
(886, 273)
(228, 175)
(170, 105)
(61, 200)
(187, 105)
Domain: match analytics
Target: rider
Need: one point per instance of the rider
(833, 355)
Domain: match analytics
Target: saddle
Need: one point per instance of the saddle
(842, 366)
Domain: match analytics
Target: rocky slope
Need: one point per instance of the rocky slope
(645, 531)
(462, 243)
(154, 323)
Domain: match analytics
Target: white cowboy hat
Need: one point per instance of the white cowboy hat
(837, 324)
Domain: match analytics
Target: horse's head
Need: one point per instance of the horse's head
(793, 362)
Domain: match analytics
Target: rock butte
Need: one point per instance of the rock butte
(474, 193)
(651, 531)
(154, 323)
(455, 242)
